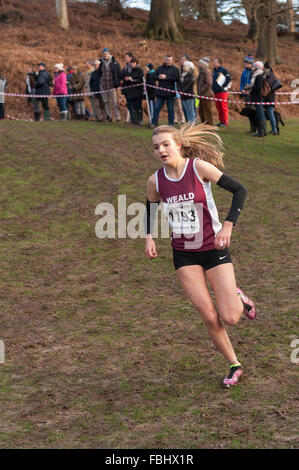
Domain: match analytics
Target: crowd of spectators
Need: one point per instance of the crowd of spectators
(174, 86)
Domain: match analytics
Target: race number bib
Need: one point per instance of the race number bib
(182, 217)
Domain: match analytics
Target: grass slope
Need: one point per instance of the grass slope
(102, 347)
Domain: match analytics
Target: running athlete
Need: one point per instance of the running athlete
(192, 157)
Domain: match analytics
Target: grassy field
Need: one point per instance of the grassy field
(102, 347)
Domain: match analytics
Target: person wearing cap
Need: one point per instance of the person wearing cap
(220, 85)
(204, 88)
(42, 88)
(255, 93)
(149, 80)
(60, 88)
(109, 73)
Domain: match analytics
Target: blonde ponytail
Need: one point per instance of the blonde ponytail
(197, 141)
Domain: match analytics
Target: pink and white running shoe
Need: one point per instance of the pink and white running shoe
(249, 307)
(233, 376)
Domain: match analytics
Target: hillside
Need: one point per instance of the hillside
(32, 34)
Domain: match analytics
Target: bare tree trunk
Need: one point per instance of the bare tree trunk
(267, 31)
(208, 10)
(261, 29)
(114, 6)
(62, 14)
(271, 34)
(177, 13)
(290, 16)
(250, 9)
(163, 20)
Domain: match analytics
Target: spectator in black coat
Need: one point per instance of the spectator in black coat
(134, 94)
(69, 102)
(97, 99)
(42, 87)
(256, 96)
(167, 76)
(127, 68)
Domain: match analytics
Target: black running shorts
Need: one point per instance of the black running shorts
(207, 259)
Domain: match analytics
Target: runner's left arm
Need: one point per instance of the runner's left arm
(211, 173)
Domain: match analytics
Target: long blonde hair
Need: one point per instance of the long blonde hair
(197, 141)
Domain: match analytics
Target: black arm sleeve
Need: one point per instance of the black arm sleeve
(239, 196)
(150, 216)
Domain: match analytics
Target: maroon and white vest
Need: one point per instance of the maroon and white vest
(190, 208)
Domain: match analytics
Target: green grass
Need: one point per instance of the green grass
(102, 347)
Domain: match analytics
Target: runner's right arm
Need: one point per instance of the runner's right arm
(153, 199)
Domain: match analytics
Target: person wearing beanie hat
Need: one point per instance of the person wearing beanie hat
(205, 61)
(60, 88)
(248, 59)
(247, 72)
(204, 88)
(258, 65)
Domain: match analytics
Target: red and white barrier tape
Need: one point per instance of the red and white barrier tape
(13, 118)
(23, 95)
(277, 92)
(9, 116)
(221, 99)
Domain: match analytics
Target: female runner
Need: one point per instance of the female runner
(191, 158)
